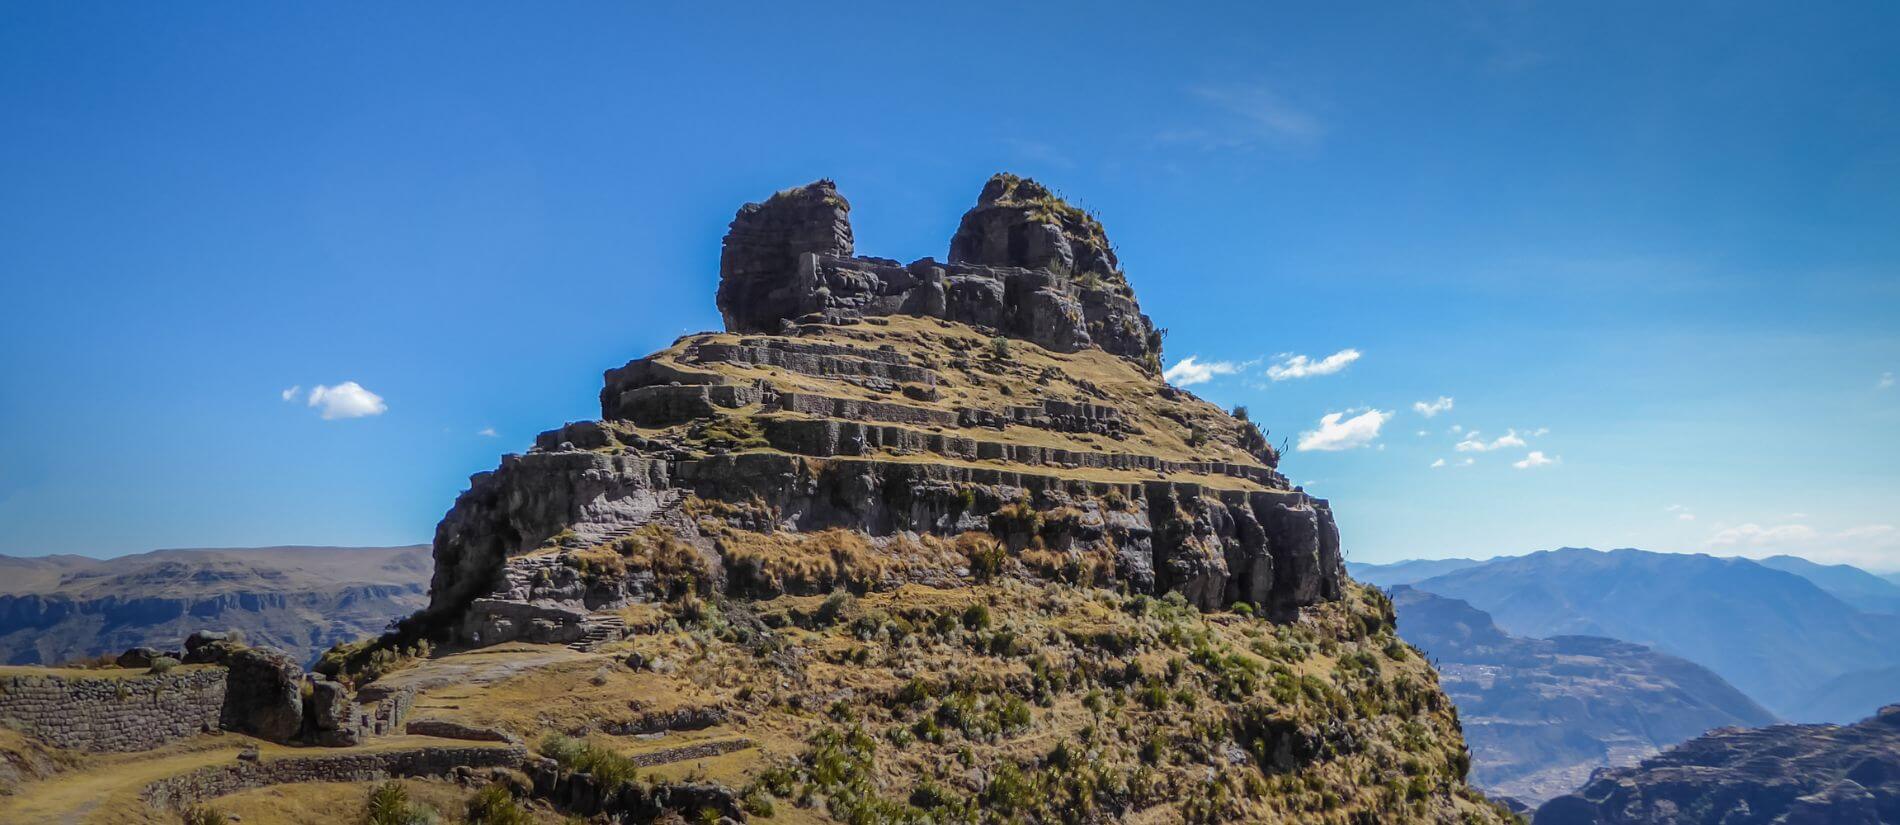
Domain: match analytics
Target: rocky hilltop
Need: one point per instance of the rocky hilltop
(927, 542)
(1011, 393)
(1792, 774)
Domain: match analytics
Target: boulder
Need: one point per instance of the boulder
(137, 657)
(263, 693)
(329, 704)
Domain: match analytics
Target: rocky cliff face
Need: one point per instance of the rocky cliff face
(1011, 393)
(1793, 774)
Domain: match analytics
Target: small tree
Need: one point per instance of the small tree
(999, 347)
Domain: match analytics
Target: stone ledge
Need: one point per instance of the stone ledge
(196, 787)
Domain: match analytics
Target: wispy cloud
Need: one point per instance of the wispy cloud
(1299, 366)
(346, 400)
(1336, 432)
(1474, 443)
(1251, 115)
(1432, 408)
(1682, 513)
(1191, 370)
(1536, 459)
(1465, 462)
(1869, 546)
(487, 432)
(1885, 382)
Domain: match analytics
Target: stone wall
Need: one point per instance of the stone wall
(113, 713)
(192, 788)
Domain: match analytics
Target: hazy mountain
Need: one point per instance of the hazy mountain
(1865, 591)
(1406, 572)
(299, 599)
(1840, 775)
(1541, 714)
(1776, 636)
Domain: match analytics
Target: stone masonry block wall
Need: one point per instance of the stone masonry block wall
(178, 792)
(104, 713)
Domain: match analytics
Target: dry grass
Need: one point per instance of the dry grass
(807, 563)
(969, 378)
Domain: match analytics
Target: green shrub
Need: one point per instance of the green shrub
(494, 805)
(976, 616)
(163, 664)
(986, 559)
(608, 767)
(204, 815)
(833, 607)
(389, 804)
(999, 347)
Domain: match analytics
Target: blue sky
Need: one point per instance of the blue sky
(1657, 243)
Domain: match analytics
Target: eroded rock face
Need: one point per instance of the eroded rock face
(1023, 264)
(1019, 405)
(263, 691)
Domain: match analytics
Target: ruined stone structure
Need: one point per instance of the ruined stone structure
(113, 712)
(861, 394)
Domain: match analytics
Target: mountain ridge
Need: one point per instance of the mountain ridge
(1541, 714)
(1775, 635)
(299, 598)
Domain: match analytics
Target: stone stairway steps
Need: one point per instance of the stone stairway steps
(599, 630)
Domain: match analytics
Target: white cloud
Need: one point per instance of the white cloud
(346, 400)
(1755, 536)
(1431, 408)
(1258, 114)
(1457, 428)
(1299, 366)
(1869, 546)
(1190, 371)
(1474, 443)
(1439, 463)
(487, 432)
(1885, 382)
(291, 394)
(1682, 512)
(1535, 459)
(1422, 433)
(1334, 434)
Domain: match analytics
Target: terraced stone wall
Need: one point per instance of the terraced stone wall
(106, 713)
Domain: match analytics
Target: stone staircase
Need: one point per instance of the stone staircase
(599, 629)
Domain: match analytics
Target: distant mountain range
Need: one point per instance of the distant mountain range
(299, 599)
(1865, 591)
(1541, 714)
(1785, 637)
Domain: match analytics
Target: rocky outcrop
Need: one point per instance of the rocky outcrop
(1023, 264)
(1794, 774)
(818, 411)
(580, 793)
(1020, 223)
(263, 687)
